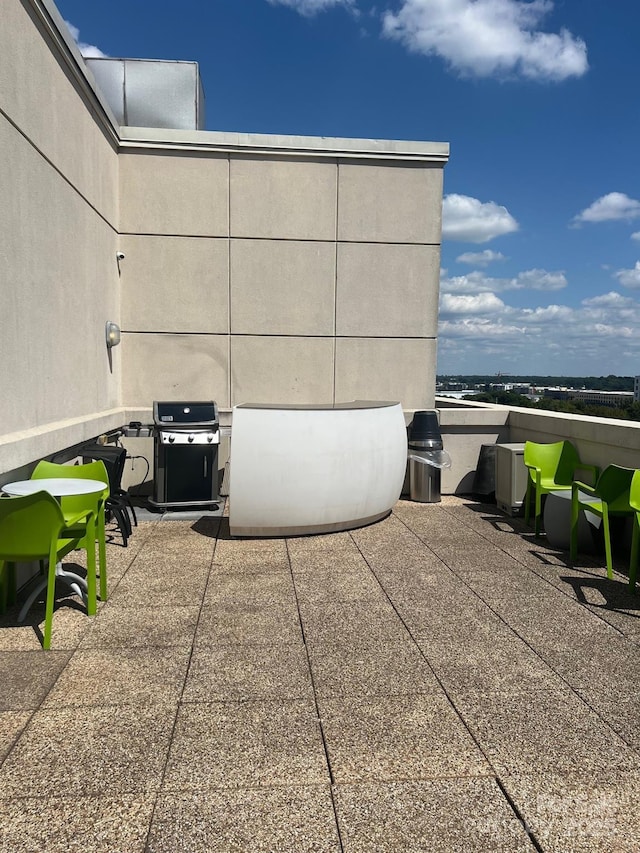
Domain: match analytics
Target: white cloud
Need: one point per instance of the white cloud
(636, 236)
(607, 208)
(548, 314)
(541, 280)
(482, 303)
(567, 339)
(609, 300)
(489, 37)
(474, 282)
(480, 332)
(479, 328)
(629, 278)
(479, 282)
(312, 7)
(466, 219)
(87, 50)
(480, 259)
(606, 330)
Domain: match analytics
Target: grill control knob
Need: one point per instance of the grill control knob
(172, 438)
(191, 437)
(210, 437)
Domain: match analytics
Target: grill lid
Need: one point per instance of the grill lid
(176, 415)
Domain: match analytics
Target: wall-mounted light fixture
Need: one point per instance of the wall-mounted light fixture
(112, 334)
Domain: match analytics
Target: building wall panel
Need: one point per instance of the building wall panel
(175, 367)
(387, 290)
(389, 204)
(174, 194)
(283, 198)
(177, 284)
(287, 369)
(386, 369)
(282, 287)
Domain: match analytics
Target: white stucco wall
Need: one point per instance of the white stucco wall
(279, 269)
(257, 268)
(58, 238)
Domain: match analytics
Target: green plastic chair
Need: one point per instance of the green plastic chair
(552, 468)
(31, 528)
(73, 504)
(610, 496)
(634, 503)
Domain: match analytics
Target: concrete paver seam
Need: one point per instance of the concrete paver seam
(317, 707)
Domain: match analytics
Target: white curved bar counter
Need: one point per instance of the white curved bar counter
(314, 469)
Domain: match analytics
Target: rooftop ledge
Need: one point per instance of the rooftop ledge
(268, 143)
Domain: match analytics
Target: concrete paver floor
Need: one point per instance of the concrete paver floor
(439, 681)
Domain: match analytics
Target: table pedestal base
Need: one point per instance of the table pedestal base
(77, 584)
(557, 523)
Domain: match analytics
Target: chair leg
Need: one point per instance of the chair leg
(122, 522)
(633, 561)
(92, 605)
(3, 586)
(126, 518)
(527, 501)
(573, 542)
(536, 528)
(12, 592)
(51, 592)
(127, 500)
(607, 541)
(102, 557)
(7, 585)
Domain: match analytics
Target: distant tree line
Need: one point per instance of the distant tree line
(628, 412)
(594, 383)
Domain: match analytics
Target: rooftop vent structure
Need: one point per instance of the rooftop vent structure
(150, 92)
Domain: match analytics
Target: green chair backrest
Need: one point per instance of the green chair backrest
(557, 460)
(614, 487)
(27, 526)
(634, 492)
(91, 471)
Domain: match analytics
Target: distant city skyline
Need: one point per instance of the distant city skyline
(541, 213)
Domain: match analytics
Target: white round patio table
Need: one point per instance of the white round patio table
(58, 487)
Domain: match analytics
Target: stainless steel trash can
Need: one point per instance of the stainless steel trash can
(425, 458)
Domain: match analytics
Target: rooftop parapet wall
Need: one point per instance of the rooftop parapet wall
(466, 426)
(600, 441)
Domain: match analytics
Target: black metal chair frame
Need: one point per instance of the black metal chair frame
(118, 503)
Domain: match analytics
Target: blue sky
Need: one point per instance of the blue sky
(538, 100)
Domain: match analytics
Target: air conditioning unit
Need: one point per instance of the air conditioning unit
(511, 478)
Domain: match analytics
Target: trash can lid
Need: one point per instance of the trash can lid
(425, 426)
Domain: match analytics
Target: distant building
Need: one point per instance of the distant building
(594, 398)
(603, 398)
(554, 393)
(458, 395)
(510, 386)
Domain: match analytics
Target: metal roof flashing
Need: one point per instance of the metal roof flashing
(309, 146)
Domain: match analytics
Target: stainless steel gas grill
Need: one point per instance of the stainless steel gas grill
(186, 439)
